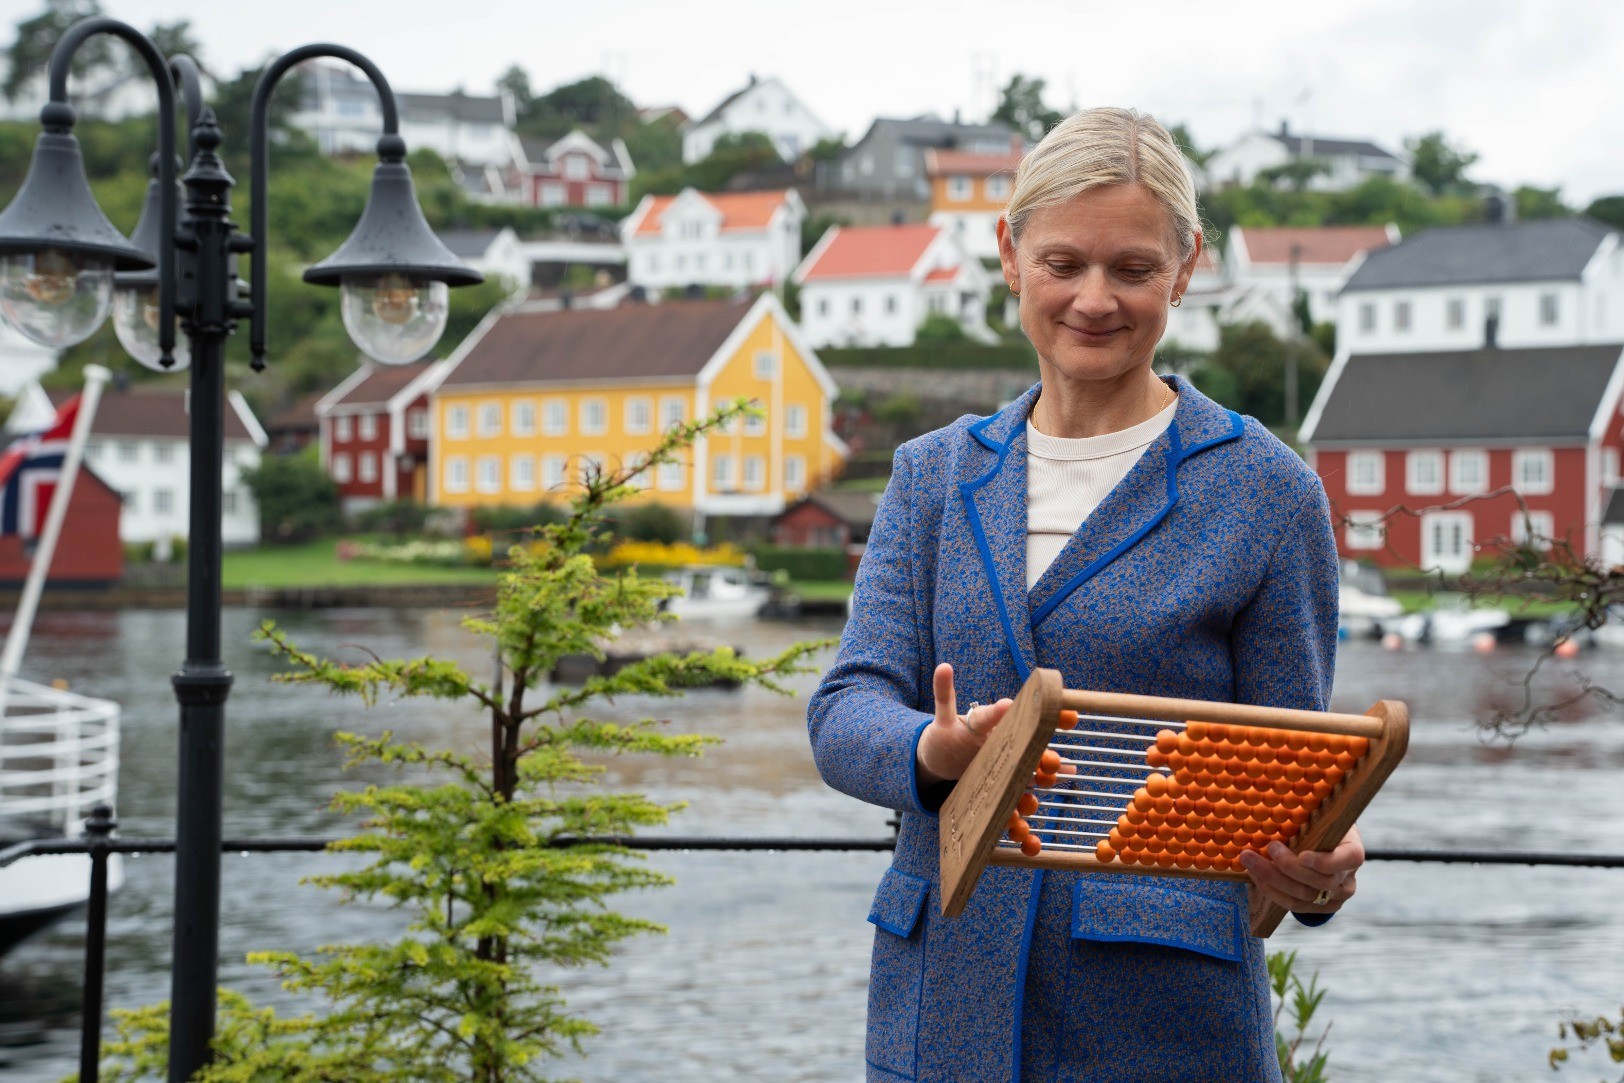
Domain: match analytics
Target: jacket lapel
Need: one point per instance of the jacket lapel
(995, 506)
(1139, 502)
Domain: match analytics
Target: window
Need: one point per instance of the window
(163, 501)
(903, 163)
(755, 473)
(552, 471)
(341, 467)
(228, 502)
(1365, 530)
(456, 422)
(642, 480)
(1609, 466)
(1468, 472)
(1425, 472)
(131, 500)
(1550, 310)
(456, 474)
(341, 428)
(576, 167)
(672, 412)
(599, 195)
(998, 186)
(890, 304)
(1401, 315)
(594, 417)
(521, 473)
(163, 453)
(755, 426)
(524, 419)
(639, 414)
(1533, 470)
(1491, 307)
(959, 188)
(722, 473)
(589, 465)
(92, 452)
(1537, 528)
(823, 306)
(670, 476)
(555, 417)
(1367, 316)
(1455, 313)
(417, 424)
(367, 426)
(1446, 541)
(366, 466)
(129, 453)
(766, 365)
(489, 478)
(794, 473)
(1367, 475)
(856, 306)
(490, 419)
(554, 195)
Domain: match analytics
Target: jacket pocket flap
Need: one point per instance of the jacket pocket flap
(898, 902)
(1135, 909)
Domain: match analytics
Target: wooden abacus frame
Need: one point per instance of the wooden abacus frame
(976, 813)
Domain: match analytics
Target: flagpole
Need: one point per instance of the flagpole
(11, 659)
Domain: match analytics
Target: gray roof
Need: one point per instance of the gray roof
(1488, 396)
(933, 132)
(1319, 147)
(1543, 250)
(468, 243)
(466, 108)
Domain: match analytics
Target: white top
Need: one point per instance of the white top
(1067, 478)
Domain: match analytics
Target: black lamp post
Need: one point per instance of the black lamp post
(58, 258)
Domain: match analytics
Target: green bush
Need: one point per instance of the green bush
(510, 519)
(802, 564)
(397, 517)
(650, 522)
(931, 355)
(939, 327)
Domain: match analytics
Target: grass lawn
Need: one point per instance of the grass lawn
(1415, 601)
(316, 564)
(822, 589)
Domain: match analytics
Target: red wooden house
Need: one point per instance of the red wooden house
(1410, 446)
(374, 431)
(574, 171)
(88, 554)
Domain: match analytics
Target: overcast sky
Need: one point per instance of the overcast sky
(1533, 86)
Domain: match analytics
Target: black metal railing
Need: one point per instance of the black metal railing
(99, 844)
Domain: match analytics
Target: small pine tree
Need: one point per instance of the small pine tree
(470, 846)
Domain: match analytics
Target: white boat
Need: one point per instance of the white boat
(715, 590)
(58, 761)
(1363, 603)
(1452, 619)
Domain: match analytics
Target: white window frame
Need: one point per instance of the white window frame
(794, 473)
(673, 412)
(456, 474)
(755, 426)
(639, 414)
(456, 422)
(417, 424)
(163, 501)
(1367, 473)
(1550, 309)
(341, 467)
(669, 477)
(161, 453)
(960, 188)
(1461, 463)
(722, 474)
(490, 419)
(1609, 466)
(488, 474)
(998, 186)
(1364, 531)
(554, 471)
(594, 417)
(1367, 317)
(555, 417)
(1451, 559)
(366, 467)
(766, 365)
(755, 474)
(1455, 313)
(341, 429)
(1533, 470)
(1401, 317)
(366, 427)
(1414, 483)
(1543, 524)
(523, 420)
(522, 473)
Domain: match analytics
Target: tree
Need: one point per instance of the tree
(30, 53)
(594, 104)
(1020, 105)
(731, 155)
(515, 82)
(172, 39)
(503, 860)
(297, 500)
(1248, 371)
(1609, 209)
(1296, 173)
(1534, 202)
(939, 327)
(1437, 167)
(1186, 142)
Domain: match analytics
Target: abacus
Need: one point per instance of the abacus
(1109, 782)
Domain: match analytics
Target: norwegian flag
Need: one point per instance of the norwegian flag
(29, 471)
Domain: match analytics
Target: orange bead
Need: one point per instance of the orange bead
(1049, 762)
(1296, 741)
(1019, 829)
(1141, 799)
(1027, 804)
(1184, 861)
(1044, 779)
(1067, 720)
(1206, 747)
(1031, 846)
(1288, 831)
(1217, 731)
(1322, 789)
(1263, 754)
(1156, 785)
(1184, 833)
(1130, 856)
(1167, 741)
(1275, 739)
(1345, 761)
(1186, 746)
(1318, 742)
(1229, 850)
(1153, 845)
(1274, 771)
(1173, 761)
(1196, 731)
(1183, 806)
(1358, 745)
(1156, 757)
(1164, 831)
(1165, 860)
(1202, 834)
(1244, 753)
(1163, 805)
(1293, 772)
(1105, 852)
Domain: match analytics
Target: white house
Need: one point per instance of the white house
(1349, 162)
(874, 285)
(762, 105)
(494, 253)
(1316, 260)
(1550, 282)
(139, 445)
(22, 360)
(732, 239)
(340, 109)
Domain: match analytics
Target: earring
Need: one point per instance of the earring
(1177, 300)
(1013, 292)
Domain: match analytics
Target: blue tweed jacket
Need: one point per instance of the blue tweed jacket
(1209, 572)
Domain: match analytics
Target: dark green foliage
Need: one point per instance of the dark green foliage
(1600, 1033)
(297, 500)
(938, 328)
(397, 517)
(1438, 167)
(650, 521)
(1609, 209)
(899, 408)
(1021, 106)
(1247, 372)
(1534, 202)
(1303, 1001)
(513, 521)
(934, 356)
(593, 104)
(1295, 174)
(814, 226)
(807, 565)
(1375, 202)
(30, 51)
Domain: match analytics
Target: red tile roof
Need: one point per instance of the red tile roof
(940, 163)
(149, 409)
(1320, 244)
(670, 340)
(382, 383)
(740, 210)
(942, 274)
(872, 251)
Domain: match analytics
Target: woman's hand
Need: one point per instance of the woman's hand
(1296, 881)
(952, 740)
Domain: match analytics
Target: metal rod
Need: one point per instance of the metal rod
(1145, 708)
(97, 830)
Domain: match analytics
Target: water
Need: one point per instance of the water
(1436, 973)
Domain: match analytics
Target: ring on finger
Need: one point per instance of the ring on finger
(967, 713)
(1323, 897)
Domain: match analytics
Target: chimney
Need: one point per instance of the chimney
(1284, 131)
(898, 218)
(1491, 331)
(1499, 208)
(637, 295)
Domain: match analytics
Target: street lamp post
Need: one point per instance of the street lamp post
(60, 260)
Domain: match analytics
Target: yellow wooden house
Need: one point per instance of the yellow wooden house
(536, 395)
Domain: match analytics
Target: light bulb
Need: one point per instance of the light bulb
(394, 318)
(55, 298)
(135, 321)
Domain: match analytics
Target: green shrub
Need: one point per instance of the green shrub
(510, 519)
(802, 564)
(932, 355)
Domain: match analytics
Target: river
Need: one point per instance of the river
(1435, 973)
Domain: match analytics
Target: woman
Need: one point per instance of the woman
(1136, 536)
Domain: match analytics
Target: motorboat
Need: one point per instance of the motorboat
(1452, 619)
(715, 590)
(1363, 602)
(58, 761)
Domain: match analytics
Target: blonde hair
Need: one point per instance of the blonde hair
(1102, 146)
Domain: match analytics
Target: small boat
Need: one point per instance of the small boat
(58, 761)
(1364, 604)
(1452, 619)
(715, 590)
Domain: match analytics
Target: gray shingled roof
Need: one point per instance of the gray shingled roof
(1318, 147)
(468, 108)
(930, 131)
(1549, 395)
(1545, 250)
(468, 243)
